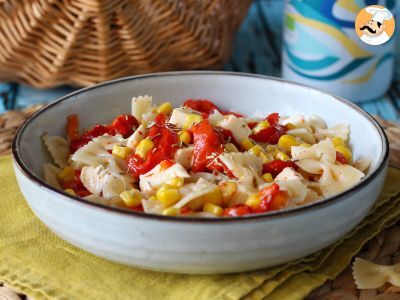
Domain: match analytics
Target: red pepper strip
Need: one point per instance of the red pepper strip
(340, 158)
(138, 208)
(225, 135)
(72, 127)
(76, 185)
(125, 125)
(271, 199)
(203, 106)
(276, 166)
(271, 134)
(273, 118)
(252, 124)
(237, 210)
(165, 142)
(206, 146)
(97, 130)
(225, 113)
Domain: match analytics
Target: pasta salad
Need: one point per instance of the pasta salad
(199, 160)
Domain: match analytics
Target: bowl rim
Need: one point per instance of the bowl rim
(382, 162)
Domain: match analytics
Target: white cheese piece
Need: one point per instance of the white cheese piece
(180, 115)
(136, 137)
(293, 183)
(184, 156)
(215, 117)
(237, 126)
(159, 175)
(141, 105)
(100, 182)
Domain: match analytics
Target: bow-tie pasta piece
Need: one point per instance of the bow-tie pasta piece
(342, 131)
(95, 152)
(51, 175)
(323, 151)
(368, 275)
(58, 149)
(334, 179)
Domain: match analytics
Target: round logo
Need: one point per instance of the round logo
(375, 25)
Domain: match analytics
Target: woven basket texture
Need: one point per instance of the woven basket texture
(46, 43)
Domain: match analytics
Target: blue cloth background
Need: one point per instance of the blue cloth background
(256, 50)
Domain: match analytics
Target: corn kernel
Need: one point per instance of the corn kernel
(272, 149)
(230, 147)
(70, 191)
(282, 156)
(153, 198)
(345, 151)
(305, 145)
(144, 147)
(191, 119)
(337, 141)
(170, 211)
(253, 200)
(214, 197)
(247, 144)
(131, 198)
(228, 188)
(185, 137)
(165, 108)
(67, 174)
(267, 177)
(286, 142)
(266, 157)
(261, 126)
(290, 126)
(168, 196)
(256, 150)
(121, 151)
(176, 182)
(213, 209)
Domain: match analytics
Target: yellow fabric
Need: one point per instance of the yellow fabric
(37, 263)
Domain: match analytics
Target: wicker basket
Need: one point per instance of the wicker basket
(81, 42)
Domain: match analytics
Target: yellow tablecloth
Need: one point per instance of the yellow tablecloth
(37, 263)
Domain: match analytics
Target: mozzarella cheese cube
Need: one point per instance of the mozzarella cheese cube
(140, 106)
(159, 175)
(237, 126)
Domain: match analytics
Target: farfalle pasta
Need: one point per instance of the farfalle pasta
(199, 160)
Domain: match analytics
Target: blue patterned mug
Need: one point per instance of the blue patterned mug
(322, 49)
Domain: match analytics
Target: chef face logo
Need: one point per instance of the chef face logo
(375, 25)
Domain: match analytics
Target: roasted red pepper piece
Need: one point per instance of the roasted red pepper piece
(207, 145)
(225, 135)
(165, 141)
(271, 134)
(203, 106)
(76, 185)
(125, 125)
(252, 124)
(271, 199)
(237, 210)
(340, 158)
(276, 166)
(225, 113)
(97, 130)
(72, 127)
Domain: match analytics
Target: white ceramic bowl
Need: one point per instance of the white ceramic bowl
(194, 245)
